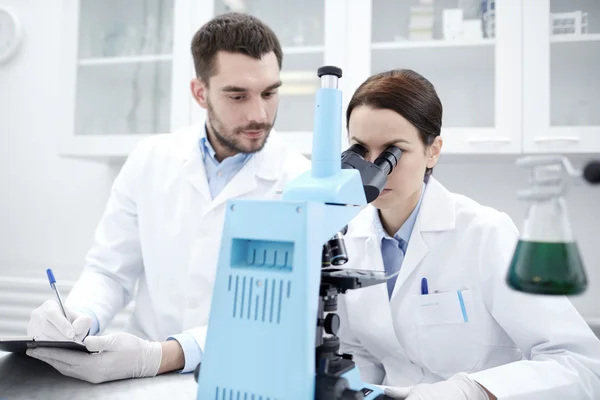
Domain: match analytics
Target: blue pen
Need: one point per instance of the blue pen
(424, 288)
(53, 286)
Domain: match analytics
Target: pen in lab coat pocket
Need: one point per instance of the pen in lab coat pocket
(424, 288)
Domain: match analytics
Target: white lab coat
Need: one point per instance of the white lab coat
(458, 244)
(162, 227)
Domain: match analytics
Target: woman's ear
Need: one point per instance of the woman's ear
(434, 152)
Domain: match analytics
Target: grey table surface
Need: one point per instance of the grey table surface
(23, 377)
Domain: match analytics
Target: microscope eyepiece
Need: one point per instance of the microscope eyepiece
(388, 160)
(373, 174)
(356, 148)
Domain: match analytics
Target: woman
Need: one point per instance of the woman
(448, 325)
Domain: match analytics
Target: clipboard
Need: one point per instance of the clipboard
(22, 343)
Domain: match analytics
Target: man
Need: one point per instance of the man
(162, 226)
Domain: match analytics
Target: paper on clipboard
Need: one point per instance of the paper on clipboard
(20, 344)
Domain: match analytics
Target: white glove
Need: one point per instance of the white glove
(396, 392)
(48, 323)
(458, 387)
(119, 356)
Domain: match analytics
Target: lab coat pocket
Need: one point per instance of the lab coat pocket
(445, 330)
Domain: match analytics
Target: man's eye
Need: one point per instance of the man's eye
(268, 94)
(236, 98)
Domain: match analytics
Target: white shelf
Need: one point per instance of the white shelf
(303, 49)
(125, 60)
(101, 148)
(428, 44)
(457, 141)
(301, 141)
(294, 89)
(442, 58)
(593, 37)
(575, 54)
(478, 140)
(117, 147)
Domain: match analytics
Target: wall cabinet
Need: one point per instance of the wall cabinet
(561, 94)
(513, 76)
(125, 73)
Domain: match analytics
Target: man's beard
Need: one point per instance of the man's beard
(230, 140)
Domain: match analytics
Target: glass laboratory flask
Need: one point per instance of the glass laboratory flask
(546, 259)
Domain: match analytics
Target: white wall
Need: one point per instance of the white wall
(49, 206)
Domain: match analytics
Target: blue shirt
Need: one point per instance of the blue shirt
(394, 248)
(218, 175)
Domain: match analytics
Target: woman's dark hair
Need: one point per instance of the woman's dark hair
(407, 93)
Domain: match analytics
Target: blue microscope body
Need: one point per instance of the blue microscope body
(263, 330)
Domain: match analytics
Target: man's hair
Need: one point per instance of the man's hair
(233, 33)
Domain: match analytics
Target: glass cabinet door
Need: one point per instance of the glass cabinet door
(450, 44)
(124, 69)
(562, 60)
(468, 50)
(300, 27)
(574, 63)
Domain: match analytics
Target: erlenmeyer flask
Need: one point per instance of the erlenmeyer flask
(546, 259)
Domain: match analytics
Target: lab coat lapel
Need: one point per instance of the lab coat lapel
(242, 183)
(436, 214)
(372, 302)
(265, 165)
(365, 253)
(193, 167)
(416, 251)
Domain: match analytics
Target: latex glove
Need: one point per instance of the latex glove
(47, 322)
(458, 387)
(119, 356)
(396, 392)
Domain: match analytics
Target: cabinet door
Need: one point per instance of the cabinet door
(562, 85)
(469, 49)
(119, 67)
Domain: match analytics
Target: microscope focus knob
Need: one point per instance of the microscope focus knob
(197, 373)
(350, 394)
(335, 388)
(332, 324)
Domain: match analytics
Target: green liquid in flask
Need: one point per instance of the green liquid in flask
(547, 268)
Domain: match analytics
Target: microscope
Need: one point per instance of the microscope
(280, 272)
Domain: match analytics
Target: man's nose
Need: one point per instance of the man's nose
(257, 111)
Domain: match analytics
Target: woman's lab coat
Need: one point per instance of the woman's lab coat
(518, 346)
(162, 226)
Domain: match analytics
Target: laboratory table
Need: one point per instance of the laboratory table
(23, 377)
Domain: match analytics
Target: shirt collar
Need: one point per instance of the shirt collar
(207, 150)
(406, 229)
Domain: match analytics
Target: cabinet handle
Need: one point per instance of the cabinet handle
(491, 139)
(546, 139)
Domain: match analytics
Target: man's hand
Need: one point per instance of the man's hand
(458, 387)
(396, 392)
(48, 323)
(118, 356)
